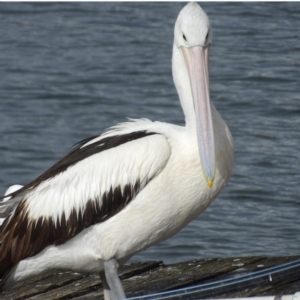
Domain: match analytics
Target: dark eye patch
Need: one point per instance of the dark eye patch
(206, 39)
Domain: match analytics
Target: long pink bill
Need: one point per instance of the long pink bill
(196, 59)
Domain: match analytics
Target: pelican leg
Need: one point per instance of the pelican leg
(107, 292)
(113, 289)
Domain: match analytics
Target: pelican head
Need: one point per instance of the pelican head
(192, 41)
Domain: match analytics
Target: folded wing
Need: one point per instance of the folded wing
(95, 181)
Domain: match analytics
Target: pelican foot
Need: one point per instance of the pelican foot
(112, 286)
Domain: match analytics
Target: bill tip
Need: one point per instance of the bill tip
(210, 183)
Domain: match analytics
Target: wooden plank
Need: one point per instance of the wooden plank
(153, 277)
(260, 264)
(288, 289)
(182, 275)
(86, 284)
(40, 284)
(93, 283)
(132, 269)
(266, 262)
(274, 285)
(73, 289)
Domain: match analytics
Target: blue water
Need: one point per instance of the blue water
(70, 70)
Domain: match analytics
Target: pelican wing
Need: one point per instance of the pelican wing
(6, 206)
(95, 181)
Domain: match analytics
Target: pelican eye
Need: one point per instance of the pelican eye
(206, 39)
(185, 40)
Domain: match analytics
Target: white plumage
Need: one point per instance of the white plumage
(97, 174)
(135, 185)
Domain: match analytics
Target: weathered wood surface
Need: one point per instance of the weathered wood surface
(153, 277)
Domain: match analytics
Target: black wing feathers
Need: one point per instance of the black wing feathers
(22, 237)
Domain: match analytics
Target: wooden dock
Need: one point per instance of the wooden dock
(155, 276)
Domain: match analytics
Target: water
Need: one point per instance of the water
(70, 70)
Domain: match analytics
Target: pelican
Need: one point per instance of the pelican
(134, 185)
